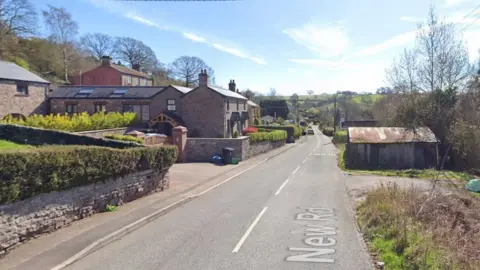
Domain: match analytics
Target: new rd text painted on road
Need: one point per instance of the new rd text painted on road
(319, 234)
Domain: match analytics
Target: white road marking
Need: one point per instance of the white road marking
(280, 189)
(305, 160)
(296, 169)
(249, 230)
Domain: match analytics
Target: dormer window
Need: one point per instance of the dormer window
(84, 93)
(118, 93)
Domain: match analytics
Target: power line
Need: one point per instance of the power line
(470, 24)
(470, 13)
(477, 7)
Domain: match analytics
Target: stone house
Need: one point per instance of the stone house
(206, 111)
(108, 73)
(22, 93)
(253, 112)
(390, 148)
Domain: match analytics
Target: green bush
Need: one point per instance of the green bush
(127, 138)
(76, 122)
(340, 136)
(274, 135)
(327, 131)
(235, 134)
(38, 136)
(290, 129)
(29, 172)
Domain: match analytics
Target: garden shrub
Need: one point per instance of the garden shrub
(38, 136)
(77, 122)
(290, 129)
(274, 135)
(327, 131)
(235, 134)
(29, 172)
(340, 136)
(249, 130)
(127, 138)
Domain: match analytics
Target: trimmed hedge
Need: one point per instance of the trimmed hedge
(340, 136)
(27, 173)
(290, 129)
(274, 135)
(127, 138)
(38, 136)
(76, 122)
(327, 132)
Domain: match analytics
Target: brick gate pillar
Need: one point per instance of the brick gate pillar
(179, 138)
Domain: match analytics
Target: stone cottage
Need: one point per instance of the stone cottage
(390, 148)
(22, 93)
(206, 111)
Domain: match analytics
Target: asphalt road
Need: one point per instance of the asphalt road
(259, 220)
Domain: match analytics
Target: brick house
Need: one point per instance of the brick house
(22, 93)
(206, 111)
(108, 73)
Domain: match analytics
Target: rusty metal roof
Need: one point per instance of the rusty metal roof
(390, 135)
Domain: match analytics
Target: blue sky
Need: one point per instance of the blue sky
(292, 46)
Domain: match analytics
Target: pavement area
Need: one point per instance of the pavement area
(289, 212)
(186, 180)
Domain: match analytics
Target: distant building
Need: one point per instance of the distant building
(390, 148)
(267, 119)
(108, 73)
(22, 93)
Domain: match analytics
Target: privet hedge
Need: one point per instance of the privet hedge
(127, 138)
(293, 131)
(38, 136)
(30, 172)
(274, 135)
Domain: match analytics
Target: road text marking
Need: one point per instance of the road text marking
(249, 230)
(296, 169)
(319, 239)
(280, 189)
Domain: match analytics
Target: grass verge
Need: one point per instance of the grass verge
(411, 173)
(7, 145)
(407, 229)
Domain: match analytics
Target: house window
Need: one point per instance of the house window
(228, 105)
(129, 80)
(71, 108)
(171, 106)
(142, 112)
(238, 106)
(244, 106)
(100, 108)
(22, 89)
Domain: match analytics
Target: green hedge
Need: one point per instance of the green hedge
(29, 172)
(340, 136)
(127, 138)
(290, 129)
(38, 136)
(274, 135)
(327, 132)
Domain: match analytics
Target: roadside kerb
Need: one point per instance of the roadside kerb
(141, 222)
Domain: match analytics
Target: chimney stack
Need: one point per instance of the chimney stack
(232, 86)
(106, 60)
(136, 67)
(203, 78)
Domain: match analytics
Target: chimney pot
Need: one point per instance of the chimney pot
(203, 78)
(106, 60)
(232, 86)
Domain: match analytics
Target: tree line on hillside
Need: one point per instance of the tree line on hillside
(62, 53)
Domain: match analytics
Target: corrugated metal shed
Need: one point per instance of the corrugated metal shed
(390, 135)
(11, 71)
(106, 92)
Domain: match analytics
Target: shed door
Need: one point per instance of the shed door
(419, 157)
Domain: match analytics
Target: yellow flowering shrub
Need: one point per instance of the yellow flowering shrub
(76, 122)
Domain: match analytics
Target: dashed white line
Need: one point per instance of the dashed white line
(305, 160)
(280, 189)
(249, 230)
(296, 169)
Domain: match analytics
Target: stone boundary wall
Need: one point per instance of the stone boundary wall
(102, 132)
(48, 212)
(202, 149)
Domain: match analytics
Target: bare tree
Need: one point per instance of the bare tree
(272, 93)
(310, 92)
(187, 68)
(63, 30)
(17, 18)
(135, 52)
(98, 45)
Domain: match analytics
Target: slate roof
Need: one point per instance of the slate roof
(227, 93)
(390, 135)
(11, 71)
(105, 92)
(130, 71)
(182, 89)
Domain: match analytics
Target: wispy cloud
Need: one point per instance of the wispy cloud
(452, 3)
(194, 37)
(322, 63)
(323, 40)
(396, 41)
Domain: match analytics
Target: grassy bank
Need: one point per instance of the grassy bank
(412, 173)
(407, 229)
(7, 145)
